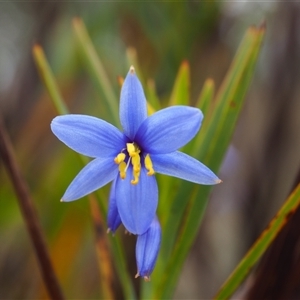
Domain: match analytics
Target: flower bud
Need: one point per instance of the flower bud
(147, 247)
(113, 217)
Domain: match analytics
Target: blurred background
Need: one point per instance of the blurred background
(261, 166)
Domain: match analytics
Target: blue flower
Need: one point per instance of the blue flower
(147, 247)
(147, 145)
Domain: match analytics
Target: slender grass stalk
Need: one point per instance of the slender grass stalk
(103, 253)
(261, 245)
(96, 67)
(205, 98)
(29, 214)
(181, 89)
(48, 78)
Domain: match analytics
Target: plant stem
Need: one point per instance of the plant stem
(29, 215)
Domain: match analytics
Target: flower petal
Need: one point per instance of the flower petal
(88, 135)
(93, 176)
(133, 107)
(169, 129)
(146, 251)
(137, 203)
(183, 166)
(113, 217)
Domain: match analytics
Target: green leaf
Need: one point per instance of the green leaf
(205, 98)
(96, 68)
(205, 103)
(261, 245)
(151, 95)
(187, 209)
(48, 79)
(181, 90)
(222, 117)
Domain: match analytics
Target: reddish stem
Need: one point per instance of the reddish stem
(29, 215)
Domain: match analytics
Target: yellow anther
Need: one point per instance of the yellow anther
(136, 162)
(136, 176)
(122, 169)
(132, 149)
(134, 153)
(149, 165)
(120, 157)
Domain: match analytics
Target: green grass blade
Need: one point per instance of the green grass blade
(181, 90)
(48, 79)
(205, 98)
(222, 118)
(115, 242)
(151, 95)
(189, 204)
(96, 67)
(261, 245)
(205, 103)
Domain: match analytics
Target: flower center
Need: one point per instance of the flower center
(134, 157)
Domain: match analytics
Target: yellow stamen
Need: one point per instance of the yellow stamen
(136, 162)
(135, 159)
(134, 152)
(132, 149)
(136, 176)
(120, 157)
(149, 165)
(122, 169)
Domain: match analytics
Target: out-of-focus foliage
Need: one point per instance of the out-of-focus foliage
(156, 38)
(262, 243)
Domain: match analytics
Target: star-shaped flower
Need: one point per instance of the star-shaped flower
(130, 158)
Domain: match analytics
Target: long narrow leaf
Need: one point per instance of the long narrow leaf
(181, 90)
(216, 133)
(204, 101)
(261, 245)
(96, 67)
(152, 97)
(48, 79)
(229, 100)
